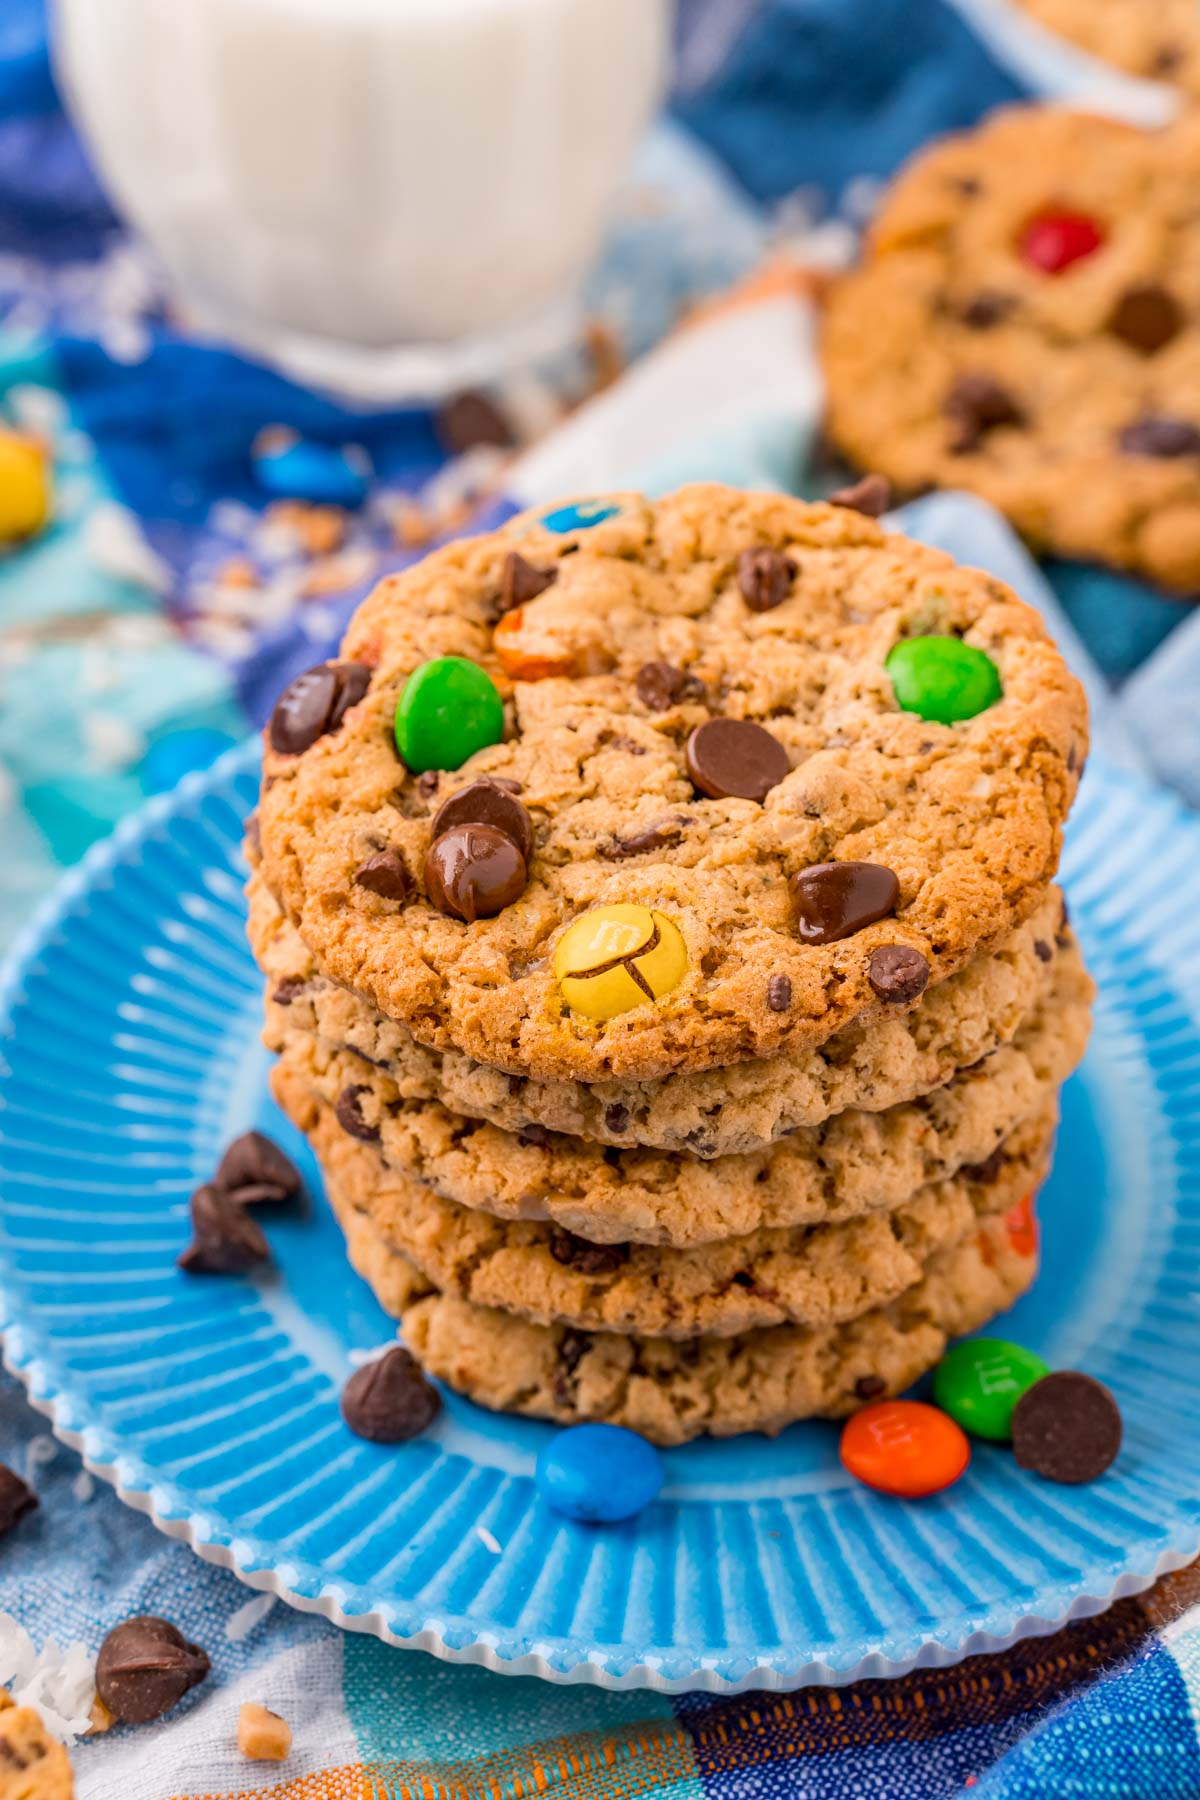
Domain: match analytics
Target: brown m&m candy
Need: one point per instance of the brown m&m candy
(485, 802)
(473, 872)
(1066, 1427)
(314, 704)
(145, 1667)
(835, 899)
(735, 759)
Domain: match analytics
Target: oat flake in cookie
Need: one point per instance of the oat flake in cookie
(967, 816)
(1025, 323)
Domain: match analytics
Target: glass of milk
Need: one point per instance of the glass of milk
(385, 196)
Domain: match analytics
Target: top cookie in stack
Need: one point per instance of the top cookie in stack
(815, 768)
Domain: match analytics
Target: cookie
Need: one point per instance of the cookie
(33, 1764)
(712, 1112)
(812, 1276)
(671, 1391)
(855, 1162)
(1025, 323)
(1160, 42)
(677, 909)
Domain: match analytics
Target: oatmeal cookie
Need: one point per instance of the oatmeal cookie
(1158, 41)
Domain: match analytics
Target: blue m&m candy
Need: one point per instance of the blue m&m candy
(580, 515)
(600, 1473)
(297, 469)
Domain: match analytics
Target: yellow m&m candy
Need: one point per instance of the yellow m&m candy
(618, 957)
(24, 486)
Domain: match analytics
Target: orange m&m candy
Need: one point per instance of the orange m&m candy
(1021, 1226)
(526, 657)
(905, 1448)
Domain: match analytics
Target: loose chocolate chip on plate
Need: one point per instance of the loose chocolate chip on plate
(385, 874)
(1159, 434)
(485, 802)
(872, 496)
(988, 308)
(735, 759)
(389, 1400)
(897, 972)
(779, 993)
(1146, 317)
(314, 703)
(976, 404)
(473, 872)
(1066, 1427)
(764, 578)
(16, 1499)
(350, 1115)
(144, 1667)
(471, 419)
(660, 686)
(585, 1257)
(834, 900)
(226, 1239)
(522, 581)
(255, 1169)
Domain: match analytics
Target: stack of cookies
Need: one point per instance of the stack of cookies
(663, 959)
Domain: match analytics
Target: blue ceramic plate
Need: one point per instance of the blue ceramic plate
(130, 1051)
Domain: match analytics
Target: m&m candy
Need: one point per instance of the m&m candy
(979, 1383)
(24, 486)
(1053, 241)
(448, 709)
(942, 679)
(904, 1448)
(598, 1473)
(618, 957)
(579, 515)
(298, 469)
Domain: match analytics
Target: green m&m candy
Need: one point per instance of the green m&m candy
(979, 1383)
(448, 709)
(943, 679)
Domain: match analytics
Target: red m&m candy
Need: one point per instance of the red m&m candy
(1054, 240)
(905, 1448)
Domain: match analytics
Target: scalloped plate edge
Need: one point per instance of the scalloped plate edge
(482, 1655)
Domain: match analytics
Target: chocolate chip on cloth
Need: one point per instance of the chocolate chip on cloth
(809, 759)
(16, 1499)
(1067, 1428)
(315, 703)
(388, 1400)
(1029, 335)
(145, 1667)
(226, 1239)
(254, 1169)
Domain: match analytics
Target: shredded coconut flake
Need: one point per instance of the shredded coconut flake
(60, 1683)
(248, 1618)
(487, 1540)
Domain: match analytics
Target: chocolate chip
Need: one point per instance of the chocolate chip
(485, 802)
(226, 1239)
(288, 990)
(779, 993)
(385, 874)
(987, 1171)
(735, 759)
(1042, 950)
(616, 1117)
(1146, 317)
(534, 1135)
(869, 1387)
(1167, 58)
(470, 419)
(427, 784)
(350, 1115)
(835, 899)
(254, 1169)
(16, 1499)
(660, 686)
(987, 308)
(975, 405)
(1066, 1427)
(572, 1348)
(655, 837)
(144, 1667)
(765, 578)
(315, 703)
(389, 1400)
(897, 972)
(253, 833)
(473, 872)
(872, 496)
(585, 1257)
(521, 581)
(1159, 434)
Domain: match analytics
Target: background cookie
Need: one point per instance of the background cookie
(1026, 324)
(765, 613)
(1159, 40)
